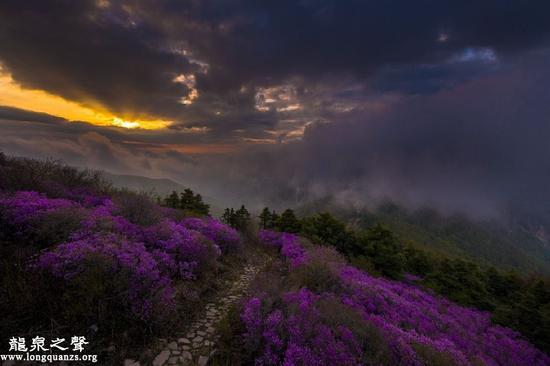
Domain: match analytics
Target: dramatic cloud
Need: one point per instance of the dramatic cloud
(440, 103)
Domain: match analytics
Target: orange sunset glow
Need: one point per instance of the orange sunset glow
(13, 95)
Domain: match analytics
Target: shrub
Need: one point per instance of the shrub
(24, 214)
(413, 320)
(147, 289)
(320, 272)
(288, 244)
(183, 252)
(47, 176)
(138, 208)
(227, 238)
(295, 334)
(389, 321)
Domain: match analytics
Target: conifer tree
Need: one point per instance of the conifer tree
(289, 222)
(172, 200)
(265, 218)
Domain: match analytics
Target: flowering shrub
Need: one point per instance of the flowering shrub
(410, 317)
(297, 335)
(140, 263)
(184, 252)
(102, 218)
(21, 208)
(37, 221)
(411, 326)
(288, 244)
(147, 286)
(224, 236)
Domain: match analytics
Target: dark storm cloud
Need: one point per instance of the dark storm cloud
(15, 114)
(426, 102)
(125, 54)
(477, 148)
(85, 53)
(251, 40)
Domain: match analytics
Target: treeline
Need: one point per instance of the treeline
(240, 219)
(186, 200)
(514, 301)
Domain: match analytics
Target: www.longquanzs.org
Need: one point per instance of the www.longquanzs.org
(29, 357)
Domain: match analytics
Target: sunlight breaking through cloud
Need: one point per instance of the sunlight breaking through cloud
(14, 95)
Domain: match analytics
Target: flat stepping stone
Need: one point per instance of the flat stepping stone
(161, 358)
(203, 360)
(186, 356)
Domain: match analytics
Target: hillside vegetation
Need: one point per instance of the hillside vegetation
(509, 243)
(126, 270)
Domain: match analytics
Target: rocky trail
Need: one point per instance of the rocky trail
(197, 343)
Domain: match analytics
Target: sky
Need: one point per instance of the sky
(443, 104)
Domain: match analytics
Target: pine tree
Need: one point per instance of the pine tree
(172, 200)
(242, 218)
(226, 217)
(274, 223)
(289, 222)
(186, 199)
(265, 218)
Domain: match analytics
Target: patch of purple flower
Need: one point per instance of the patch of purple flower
(24, 206)
(148, 286)
(417, 327)
(288, 244)
(227, 238)
(189, 251)
(146, 259)
(409, 316)
(297, 335)
(101, 218)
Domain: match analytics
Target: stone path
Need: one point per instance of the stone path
(199, 342)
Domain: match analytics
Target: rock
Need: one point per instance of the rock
(130, 362)
(186, 356)
(197, 339)
(173, 346)
(203, 360)
(176, 353)
(173, 360)
(184, 341)
(201, 333)
(161, 358)
(185, 348)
